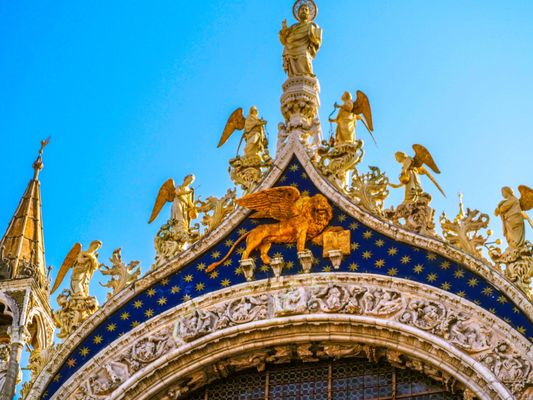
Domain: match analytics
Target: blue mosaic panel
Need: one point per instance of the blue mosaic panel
(372, 252)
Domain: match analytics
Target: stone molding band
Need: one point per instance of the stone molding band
(245, 326)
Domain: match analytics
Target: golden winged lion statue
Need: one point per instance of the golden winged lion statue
(301, 218)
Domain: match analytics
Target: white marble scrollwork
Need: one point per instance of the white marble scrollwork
(290, 301)
(426, 315)
(333, 297)
(509, 367)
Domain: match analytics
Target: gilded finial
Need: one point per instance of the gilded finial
(461, 214)
(38, 163)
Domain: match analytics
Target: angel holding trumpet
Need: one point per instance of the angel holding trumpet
(412, 168)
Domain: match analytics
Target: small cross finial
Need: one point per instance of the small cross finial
(38, 164)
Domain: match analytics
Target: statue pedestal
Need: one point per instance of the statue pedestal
(248, 268)
(306, 260)
(277, 266)
(300, 102)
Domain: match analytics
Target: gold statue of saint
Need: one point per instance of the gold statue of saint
(412, 168)
(83, 265)
(184, 208)
(301, 40)
(349, 113)
(512, 212)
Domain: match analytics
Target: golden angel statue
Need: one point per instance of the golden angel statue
(256, 143)
(518, 257)
(412, 168)
(301, 218)
(512, 211)
(75, 303)
(184, 208)
(349, 113)
(301, 41)
(248, 169)
(83, 265)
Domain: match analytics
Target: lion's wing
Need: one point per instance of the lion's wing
(277, 203)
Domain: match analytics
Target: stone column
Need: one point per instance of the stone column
(300, 102)
(13, 369)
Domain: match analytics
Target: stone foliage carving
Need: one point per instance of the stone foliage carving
(299, 103)
(115, 372)
(337, 162)
(170, 240)
(415, 216)
(73, 311)
(370, 190)
(464, 231)
(458, 328)
(518, 264)
(240, 311)
(215, 209)
(510, 368)
(461, 328)
(121, 274)
(38, 359)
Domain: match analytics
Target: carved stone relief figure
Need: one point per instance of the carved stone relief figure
(509, 367)
(466, 333)
(328, 299)
(290, 301)
(247, 309)
(423, 314)
(197, 324)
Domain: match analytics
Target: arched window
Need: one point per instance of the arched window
(353, 379)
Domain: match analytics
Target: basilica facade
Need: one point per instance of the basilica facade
(299, 283)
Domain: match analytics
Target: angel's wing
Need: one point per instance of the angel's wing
(362, 106)
(166, 193)
(67, 264)
(424, 171)
(526, 197)
(235, 122)
(276, 203)
(423, 156)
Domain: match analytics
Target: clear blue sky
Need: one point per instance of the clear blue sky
(135, 92)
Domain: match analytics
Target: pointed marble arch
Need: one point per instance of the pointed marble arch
(309, 317)
(292, 148)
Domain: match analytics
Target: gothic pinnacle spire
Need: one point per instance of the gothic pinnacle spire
(22, 246)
